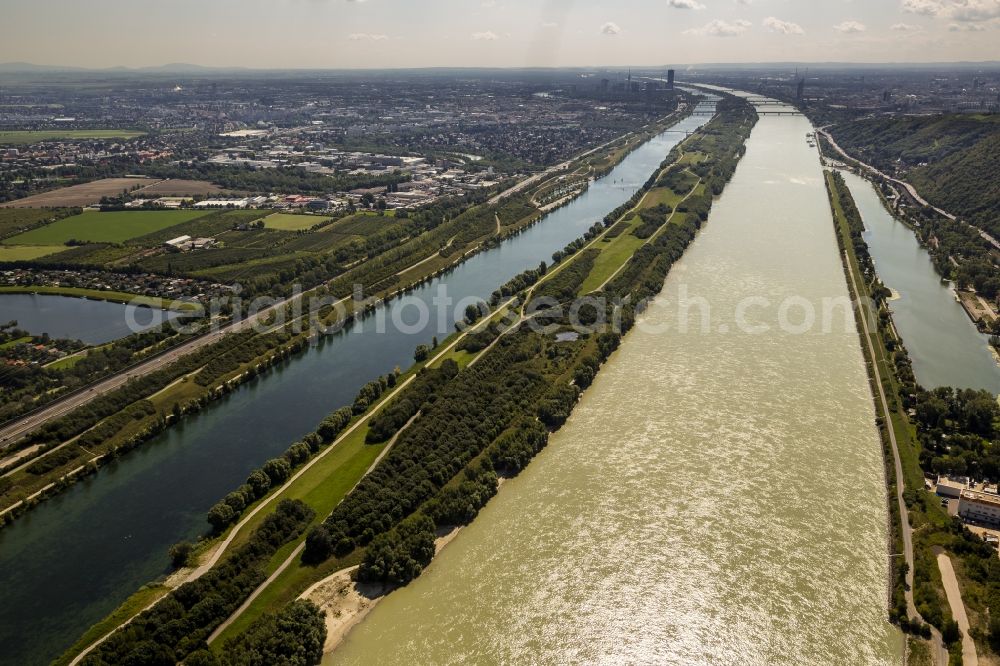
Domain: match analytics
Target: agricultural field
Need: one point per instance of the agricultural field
(288, 222)
(84, 194)
(98, 227)
(17, 220)
(177, 187)
(27, 137)
(27, 252)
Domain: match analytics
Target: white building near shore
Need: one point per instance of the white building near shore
(979, 507)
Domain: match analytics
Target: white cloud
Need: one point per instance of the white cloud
(550, 24)
(489, 3)
(976, 10)
(774, 24)
(903, 27)
(965, 11)
(365, 36)
(486, 35)
(966, 27)
(685, 4)
(923, 7)
(720, 28)
(850, 27)
(610, 28)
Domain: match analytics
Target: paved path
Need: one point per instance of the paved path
(220, 550)
(954, 594)
(938, 653)
(295, 554)
(27, 424)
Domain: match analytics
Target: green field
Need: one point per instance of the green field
(288, 222)
(27, 252)
(26, 137)
(15, 342)
(97, 227)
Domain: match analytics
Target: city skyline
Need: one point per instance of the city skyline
(495, 33)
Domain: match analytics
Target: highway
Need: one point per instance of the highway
(19, 428)
(24, 426)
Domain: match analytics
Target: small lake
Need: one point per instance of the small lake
(93, 322)
(943, 343)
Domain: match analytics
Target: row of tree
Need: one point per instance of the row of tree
(179, 624)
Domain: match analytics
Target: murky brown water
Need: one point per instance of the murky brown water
(716, 498)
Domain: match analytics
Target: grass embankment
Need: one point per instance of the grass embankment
(620, 242)
(58, 469)
(135, 604)
(296, 577)
(925, 514)
(323, 486)
(154, 302)
(330, 476)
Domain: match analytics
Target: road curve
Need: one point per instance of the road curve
(912, 191)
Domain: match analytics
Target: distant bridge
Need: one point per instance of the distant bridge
(778, 113)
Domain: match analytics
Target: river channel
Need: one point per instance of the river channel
(73, 559)
(943, 343)
(717, 497)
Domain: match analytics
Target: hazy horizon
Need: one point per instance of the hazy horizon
(390, 34)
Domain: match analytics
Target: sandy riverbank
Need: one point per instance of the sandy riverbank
(347, 602)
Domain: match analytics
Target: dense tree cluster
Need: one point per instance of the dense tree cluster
(519, 283)
(399, 555)
(565, 284)
(292, 637)
(266, 181)
(652, 219)
(421, 390)
(950, 159)
(957, 432)
(179, 624)
(469, 413)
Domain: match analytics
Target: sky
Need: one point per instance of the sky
(493, 33)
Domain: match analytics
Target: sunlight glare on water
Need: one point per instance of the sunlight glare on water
(716, 498)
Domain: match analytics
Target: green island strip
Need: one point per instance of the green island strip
(74, 446)
(417, 453)
(905, 412)
(154, 302)
(27, 137)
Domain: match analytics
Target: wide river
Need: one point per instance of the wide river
(717, 496)
(943, 343)
(73, 559)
